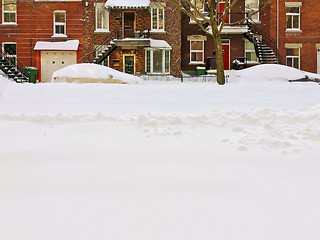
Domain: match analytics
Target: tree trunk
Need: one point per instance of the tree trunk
(219, 61)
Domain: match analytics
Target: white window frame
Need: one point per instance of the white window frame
(15, 56)
(292, 15)
(4, 12)
(256, 14)
(104, 18)
(158, 29)
(164, 70)
(59, 24)
(197, 51)
(294, 57)
(251, 51)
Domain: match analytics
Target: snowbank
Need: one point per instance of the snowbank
(3, 82)
(270, 72)
(92, 73)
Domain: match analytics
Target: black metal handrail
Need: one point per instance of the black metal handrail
(18, 64)
(115, 34)
(266, 38)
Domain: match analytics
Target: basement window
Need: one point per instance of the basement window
(9, 12)
(293, 57)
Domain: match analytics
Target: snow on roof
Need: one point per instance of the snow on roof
(128, 3)
(159, 44)
(70, 45)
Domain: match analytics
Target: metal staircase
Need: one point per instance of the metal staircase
(11, 70)
(102, 51)
(264, 45)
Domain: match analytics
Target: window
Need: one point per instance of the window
(10, 52)
(102, 18)
(196, 51)
(9, 11)
(250, 51)
(157, 61)
(252, 8)
(199, 6)
(293, 57)
(157, 19)
(293, 18)
(59, 23)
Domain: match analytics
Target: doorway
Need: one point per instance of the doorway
(129, 64)
(226, 53)
(129, 24)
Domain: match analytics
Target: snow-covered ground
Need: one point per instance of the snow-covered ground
(161, 160)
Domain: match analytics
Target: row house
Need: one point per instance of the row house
(135, 37)
(295, 32)
(40, 33)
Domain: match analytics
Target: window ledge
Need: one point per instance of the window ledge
(196, 63)
(59, 36)
(9, 24)
(158, 31)
(293, 31)
(101, 31)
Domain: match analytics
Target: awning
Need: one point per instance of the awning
(160, 44)
(70, 45)
(127, 4)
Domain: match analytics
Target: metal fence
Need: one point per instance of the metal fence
(179, 77)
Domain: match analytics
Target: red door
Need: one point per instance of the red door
(226, 56)
(222, 6)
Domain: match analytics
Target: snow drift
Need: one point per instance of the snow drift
(270, 72)
(92, 73)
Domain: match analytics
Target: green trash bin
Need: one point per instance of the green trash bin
(31, 73)
(201, 71)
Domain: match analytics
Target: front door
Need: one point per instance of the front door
(129, 24)
(226, 55)
(129, 65)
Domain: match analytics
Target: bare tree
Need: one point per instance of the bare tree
(212, 23)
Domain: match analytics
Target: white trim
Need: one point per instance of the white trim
(3, 12)
(134, 62)
(103, 20)
(197, 51)
(292, 16)
(63, 35)
(294, 57)
(15, 56)
(157, 29)
(163, 52)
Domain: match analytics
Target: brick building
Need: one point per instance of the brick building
(294, 28)
(41, 33)
(132, 37)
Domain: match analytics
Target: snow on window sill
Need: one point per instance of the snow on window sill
(102, 31)
(59, 36)
(158, 31)
(9, 24)
(196, 63)
(293, 30)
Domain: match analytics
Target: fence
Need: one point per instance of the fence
(179, 77)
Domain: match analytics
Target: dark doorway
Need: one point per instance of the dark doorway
(129, 24)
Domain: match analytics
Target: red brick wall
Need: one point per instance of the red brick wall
(309, 37)
(35, 23)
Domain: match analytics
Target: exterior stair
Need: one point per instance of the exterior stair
(12, 72)
(103, 53)
(263, 50)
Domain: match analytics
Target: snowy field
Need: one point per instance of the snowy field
(161, 160)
